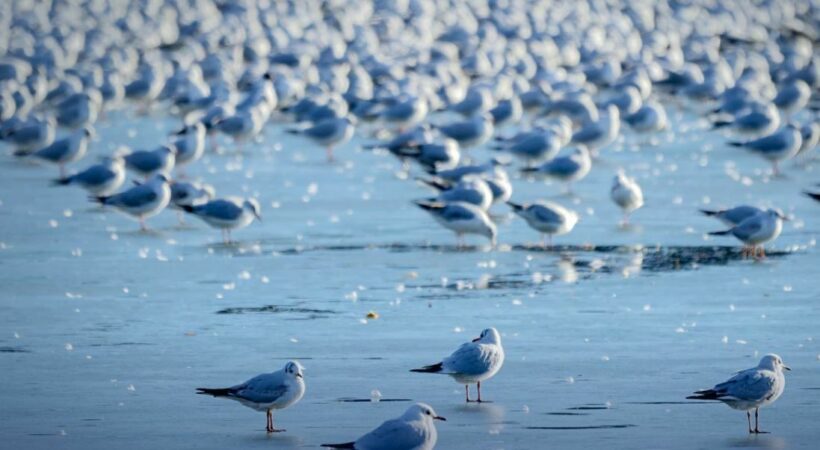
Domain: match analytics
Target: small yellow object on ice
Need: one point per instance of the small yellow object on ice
(372, 315)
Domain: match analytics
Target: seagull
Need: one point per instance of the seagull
(470, 189)
(141, 201)
(189, 143)
(507, 111)
(761, 121)
(732, 216)
(473, 132)
(266, 392)
(414, 430)
(226, 214)
(533, 146)
(184, 193)
(627, 194)
(328, 133)
(406, 113)
(100, 179)
(756, 230)
(810, 133)
(565, 168)
(460, 172)
(776, 147)
(793, 97)
(546, 217)
(63, 151)
(432, 156)
(462, 218)
(599, 134)
(750, 389)
(31, 135)
(151, 162)
(473, 362)
(650, 117)
(499, 183)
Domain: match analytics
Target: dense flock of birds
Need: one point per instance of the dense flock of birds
(552, 85)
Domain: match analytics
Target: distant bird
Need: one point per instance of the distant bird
(100, 179)
(470, 189)
(413, 430)
(507, 111)
(226, 214)
(141, 201)
(750, 389)
(776, 147)
(189, 143)
(760, 121)
(151, 162)
(185, 193)
(499, 183)
(732, 216)
(473, 132)
(567, 169)
(432, 156)
(461, 218)
(406, 113)
(533, 146)
(627, 194)
(756, 230)
(548, 218)
(792, 97)
(650, 117)
(473, 362)
(460, 172)
(596, 135)
(64, 151)
(810, 135)
(266, 392)
(31, 135)
(328, 133)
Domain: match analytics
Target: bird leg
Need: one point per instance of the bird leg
(478, 388)
(62, 171)
(143, 227)
(467, 391)
(757, 422)
(749, 419)
(329, 152)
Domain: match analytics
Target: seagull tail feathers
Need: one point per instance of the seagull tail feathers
(719, 233)
(736, 144)
(434, 368)
(707, 212)
(707, 394)
(219, 392)
(515, 206)
(721, 124)
(61, 181)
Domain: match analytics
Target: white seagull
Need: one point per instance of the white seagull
(776, 147)
(266, 392)
(567, 169)
(756, 230)
(226, 214)
(548, 218)
(462, 218)
(414, 430)
(472, 362)
(141, 201)
(100, 179)
(328, 133)
(732, 216)
(63, 151)
(627, 194)
(750, 389)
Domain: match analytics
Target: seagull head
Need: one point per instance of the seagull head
(773, 362)
(489, 336)
(294, 369)
(776, 213)
(252, 205)
(421, 411)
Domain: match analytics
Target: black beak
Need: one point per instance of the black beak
(787, 368)
(476, 339)
(299, 375)
(440, 418)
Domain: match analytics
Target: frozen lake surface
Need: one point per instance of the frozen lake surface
(106, 331)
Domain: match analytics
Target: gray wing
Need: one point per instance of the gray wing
(530, 145)
(265, 388)
(28, 133)
(747, 228)
(751, 384)
(772, 143)
(143, 160)
(588, 133)
(392, 434)
(457, 212)
(136, 196)
(545, 214)
(94, 175)
(233, 124)
(322, 130)
(400, 111)
(469, 359)
(753, 120)
(740, 213)
(460, 131)
(54, 151)
(561, 166)
(641, 116)
(220, 209)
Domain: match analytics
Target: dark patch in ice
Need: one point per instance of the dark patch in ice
(590, 407)
(13, 350)
(665, 403)
(367, 400)
(566, 414)
(121, 344)
(585, 427)
(278, 309)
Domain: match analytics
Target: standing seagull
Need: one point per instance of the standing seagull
(141, 201)
(461, 217)
(151, 162)
(414, 430)
(61, 152)
(100, 179)
(756, 230)
(565, 168)
(226, 214)
(548, 218)
(775, 147)
(732, 216)
(328, 133)
(473, 362)
(750, 389)
(266, 392)
(627, 194)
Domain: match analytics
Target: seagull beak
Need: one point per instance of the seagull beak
(440, 418)
(258, 217)
(787, 368)
(476, 339)
(299, 375)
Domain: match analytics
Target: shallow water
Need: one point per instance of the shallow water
(106, 331)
